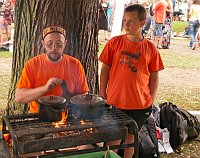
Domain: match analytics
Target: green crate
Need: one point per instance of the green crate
(103, 154)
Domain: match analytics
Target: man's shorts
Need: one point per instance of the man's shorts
(158, 30)
(139, 116)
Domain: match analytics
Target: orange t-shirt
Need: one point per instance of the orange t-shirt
(160, 11)
(39, 69)
(131, 64)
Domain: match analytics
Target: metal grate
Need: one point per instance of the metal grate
(25, 125)
(29, 134)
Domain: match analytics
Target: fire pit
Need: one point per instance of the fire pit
(30, 135)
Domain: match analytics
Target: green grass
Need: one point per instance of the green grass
(5, 54)
(179, 26)
(101, 46)
(184, 97)
(178, 60)
(4, 84)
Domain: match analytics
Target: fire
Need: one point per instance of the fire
(61, 123)
(85, 123)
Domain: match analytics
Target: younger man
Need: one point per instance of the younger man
(129, 73)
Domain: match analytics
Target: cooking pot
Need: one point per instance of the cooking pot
(51, 107)
(87, 106)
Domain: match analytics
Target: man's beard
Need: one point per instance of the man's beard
(54, 56)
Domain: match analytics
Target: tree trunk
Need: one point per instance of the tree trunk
(78, 17)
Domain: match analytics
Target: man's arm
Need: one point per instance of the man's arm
(26, 95)
(153, 84)
(104, 79)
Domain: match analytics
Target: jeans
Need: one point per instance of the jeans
(158, 30)
(109, 22)
(192, 30)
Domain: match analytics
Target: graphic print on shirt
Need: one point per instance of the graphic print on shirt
(129, 59)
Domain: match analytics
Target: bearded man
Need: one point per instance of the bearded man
(43, 74)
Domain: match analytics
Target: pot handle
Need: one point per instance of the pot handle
(66, 94)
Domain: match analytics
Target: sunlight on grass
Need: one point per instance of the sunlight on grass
(5, 54)
(179, 26)
(184, 97)
(101, 46)
(178, 60)
(4, 84)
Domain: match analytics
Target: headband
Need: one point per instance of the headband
(52, 29)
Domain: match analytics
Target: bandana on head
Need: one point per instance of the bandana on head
(51, 29)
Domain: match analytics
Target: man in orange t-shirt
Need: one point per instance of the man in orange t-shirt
(43, 74)
(159, 10)
(129, 73)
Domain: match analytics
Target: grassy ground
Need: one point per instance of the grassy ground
(183, 61)
(5, 57)
(179, 26)
(5, 54)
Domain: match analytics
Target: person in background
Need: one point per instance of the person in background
(173, 4)
(43, 74)
(129, 75)
(134, 2)
(169, 10)
(148, 20)
(103, 18)
(194, 22)
(4, 27)
(159, 10)
(110, 14)
(198, 37)
(176, 12)
(150, 34)
(166, 29)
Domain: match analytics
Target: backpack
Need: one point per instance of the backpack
(193, 125)
(171, 118)
(147, 138)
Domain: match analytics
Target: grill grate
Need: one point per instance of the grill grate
(29, 134)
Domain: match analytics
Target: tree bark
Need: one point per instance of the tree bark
(78, 17)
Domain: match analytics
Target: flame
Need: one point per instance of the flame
(83, 122)
(86, 123)
(62, 122)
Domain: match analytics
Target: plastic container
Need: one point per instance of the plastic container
(103, 154)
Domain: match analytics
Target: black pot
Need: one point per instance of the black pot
(51, 108)
(87, 106)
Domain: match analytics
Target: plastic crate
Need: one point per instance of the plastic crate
(103, 154)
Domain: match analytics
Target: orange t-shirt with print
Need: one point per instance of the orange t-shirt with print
(131, 65)
(39, 69)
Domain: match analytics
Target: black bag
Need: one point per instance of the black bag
(193, 125)
(171, 118)
(148, 142)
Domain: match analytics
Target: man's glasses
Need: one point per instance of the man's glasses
(54, 45)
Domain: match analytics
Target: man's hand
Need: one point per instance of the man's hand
(52, 83)
(26, 95)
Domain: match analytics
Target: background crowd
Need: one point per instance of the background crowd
(6, 23)
(160, 15)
